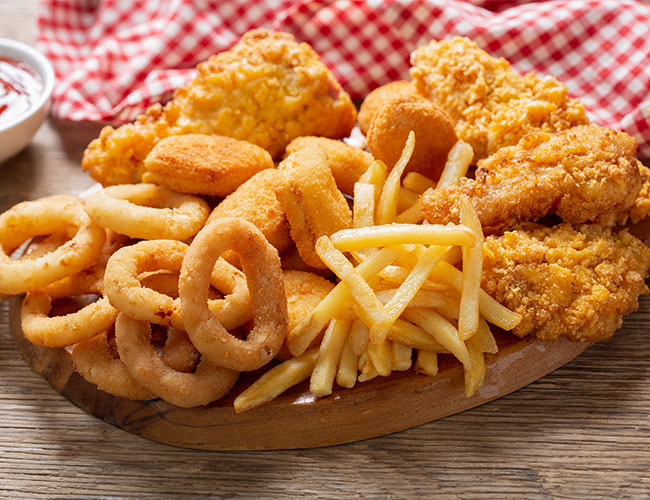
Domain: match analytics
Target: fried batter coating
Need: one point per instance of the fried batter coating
(212, 165)
(376, 99)
(578, 174)
(256, 202)
(267, 89)
(490, 104)
(314, 206)
(433, 129)
(346, 162)
(575, 283)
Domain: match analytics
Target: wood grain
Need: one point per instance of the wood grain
(582, 431)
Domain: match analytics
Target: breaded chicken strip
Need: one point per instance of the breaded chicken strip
(575, 283)
(267, 89)
(491, 105)
(578, 174)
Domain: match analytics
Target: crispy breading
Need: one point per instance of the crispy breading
(576, 283)
(267, 89)
(346, 162)
(376, 99)
(578, 174)
(492, 106)
(212, 165)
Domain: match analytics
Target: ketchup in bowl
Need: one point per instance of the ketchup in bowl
(20, 87)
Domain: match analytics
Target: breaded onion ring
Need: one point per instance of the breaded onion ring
(376, 99)
(178, 352)
(204, 164)
(99, 364)
(311, 201)
(124, 289)
(208, 383)
(54, 214)
(261, 265)
(148, 212)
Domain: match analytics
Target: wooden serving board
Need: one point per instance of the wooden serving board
(297, 419)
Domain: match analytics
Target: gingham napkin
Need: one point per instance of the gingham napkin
(113, 58)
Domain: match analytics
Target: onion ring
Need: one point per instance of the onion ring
(126, 292)
(208, 383)
(54, 214)
(148, 211)
(261, 265)
(179, 353)
(98, 363)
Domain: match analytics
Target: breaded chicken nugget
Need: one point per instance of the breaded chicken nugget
(376, 99)
(577, 283)
(346, 162)
(434, 134)
(311, 201)
(490, 104)
(267, 89)
(204, 164)
(304, 292)
(255, 201)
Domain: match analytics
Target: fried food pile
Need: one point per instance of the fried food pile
(236, 237)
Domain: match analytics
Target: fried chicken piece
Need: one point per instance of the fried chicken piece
(376, 99)
(267, 89)
(490, 104)
(578, 174)
(575, 283)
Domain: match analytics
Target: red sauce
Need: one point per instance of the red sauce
(20, 87)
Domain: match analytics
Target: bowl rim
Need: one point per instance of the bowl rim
(46, 72)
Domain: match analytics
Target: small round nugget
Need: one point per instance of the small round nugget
(433, 128)
(376, 99)
(204, 164)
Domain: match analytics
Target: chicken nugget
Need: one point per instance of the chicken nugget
(313, 204)
(204, 164)
(346, 162)
(304, 292)
(433, 129)
(256, 202)
(376, 99)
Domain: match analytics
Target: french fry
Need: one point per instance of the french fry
(485, 338)
(475, 374)
(423, 299)
(472, 268)
(413, 336)
(427, 362)
(381, 356)
(329, 355)
(402, 357)
(412, 215)
(346, 376)
(417, 182)
(376, 174)
(363, 214)
(405, 199)
(358, 337)
(387, 205)
(277, 380)
(458, 161)
(367, 369)
(346, 240)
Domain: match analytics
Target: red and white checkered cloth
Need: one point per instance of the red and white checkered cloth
(113, 58)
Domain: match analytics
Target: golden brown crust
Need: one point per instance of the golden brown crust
(346, 162)
(376, 99)
(256, 202)
(433, 128)
(576, 283)
(311, 201)
(578, 174)
(490, 104)
(212, 165)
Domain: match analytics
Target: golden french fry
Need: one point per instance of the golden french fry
(329, 355)
(413, 336)
(358, 337)
(346, 376)
(381, 356)
(417, 182)
(475, 374)
(277, 380)
(427, 362)
(395, 234)
(485, 338)
(406, 199)
(458, 160)
(367, 369)
(376, 174)
(472, 268)
(387, 205)
(402, 357)
(363, 213)
(412, 215)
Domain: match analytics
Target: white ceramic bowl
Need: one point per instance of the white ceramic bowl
(16, 133)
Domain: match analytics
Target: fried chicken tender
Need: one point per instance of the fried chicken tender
(376, 99)
(490, 104)
(578, 174)
(212, 165)
(575, 283)
(267, 89)
(346, 162)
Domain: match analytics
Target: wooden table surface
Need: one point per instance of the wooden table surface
(582, 431)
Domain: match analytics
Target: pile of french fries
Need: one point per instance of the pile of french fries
(400, 290)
